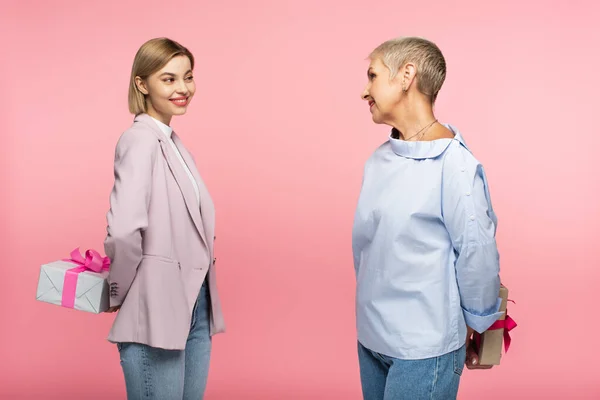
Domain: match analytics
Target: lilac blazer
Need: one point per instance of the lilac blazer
(159, 241)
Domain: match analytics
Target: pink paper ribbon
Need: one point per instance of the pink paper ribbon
(507, 324)
(93, 262)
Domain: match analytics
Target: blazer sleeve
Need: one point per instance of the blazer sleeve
(127, 217)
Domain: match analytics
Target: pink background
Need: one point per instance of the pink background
(281, 136)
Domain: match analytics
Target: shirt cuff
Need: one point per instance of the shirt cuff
(481, 323)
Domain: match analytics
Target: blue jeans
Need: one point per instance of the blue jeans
(388, 378)
(158, 374)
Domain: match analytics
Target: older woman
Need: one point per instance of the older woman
(423, 238)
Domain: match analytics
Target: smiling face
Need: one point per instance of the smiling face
(169, 90)
(382, 94)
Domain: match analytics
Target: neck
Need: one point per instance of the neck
(165, 119)
(411, 118)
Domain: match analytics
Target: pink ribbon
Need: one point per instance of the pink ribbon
(93, 262)
(507, 324)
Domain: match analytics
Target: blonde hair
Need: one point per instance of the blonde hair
(425, 55)
(151, 57)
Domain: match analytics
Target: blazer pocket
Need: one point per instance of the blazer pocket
(160, 258)
(161, 294)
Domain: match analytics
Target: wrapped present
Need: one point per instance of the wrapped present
(489, 343)
(78, 282)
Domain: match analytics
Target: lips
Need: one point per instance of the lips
(180, 101)
(371, 103)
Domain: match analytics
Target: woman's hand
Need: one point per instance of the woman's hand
(113, 309)
(472, 359)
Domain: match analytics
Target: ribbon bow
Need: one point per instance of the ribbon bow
(93, 262)
(507, 324)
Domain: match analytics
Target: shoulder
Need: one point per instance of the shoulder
(138, 138)
(378, 154)
(383, 147)
(458, 158)
(381, 150)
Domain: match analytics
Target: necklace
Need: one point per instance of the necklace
(422, 130)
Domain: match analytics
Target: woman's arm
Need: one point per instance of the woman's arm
(128, 214)
(471, 222)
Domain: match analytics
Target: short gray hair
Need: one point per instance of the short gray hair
(426, 55)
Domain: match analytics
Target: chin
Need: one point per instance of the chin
(180, 111)
(377, 120)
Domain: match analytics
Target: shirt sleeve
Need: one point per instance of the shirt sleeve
(128, 214)
(470, 220)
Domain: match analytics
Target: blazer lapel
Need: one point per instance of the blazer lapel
(206, 207)
(185, 186)
(189, 196)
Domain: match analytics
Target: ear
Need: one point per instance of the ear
(407, 75)
(141, 85)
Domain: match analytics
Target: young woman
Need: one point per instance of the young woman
(423, 238)
(160, 238)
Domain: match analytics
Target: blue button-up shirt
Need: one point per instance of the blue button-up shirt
(424, 249)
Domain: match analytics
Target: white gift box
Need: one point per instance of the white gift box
(90, 294)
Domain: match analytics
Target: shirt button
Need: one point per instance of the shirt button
(462, 169)
(472, 218)
(468, 193)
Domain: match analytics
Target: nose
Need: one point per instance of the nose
(365, 94)
(182, 87)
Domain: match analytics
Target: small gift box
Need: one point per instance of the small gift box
(79, 282)
(489, 343)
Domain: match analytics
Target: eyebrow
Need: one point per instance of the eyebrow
(172, 74)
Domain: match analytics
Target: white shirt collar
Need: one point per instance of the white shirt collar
(166, 129)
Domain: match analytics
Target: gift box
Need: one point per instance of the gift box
(490, 342)
(78, 282)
